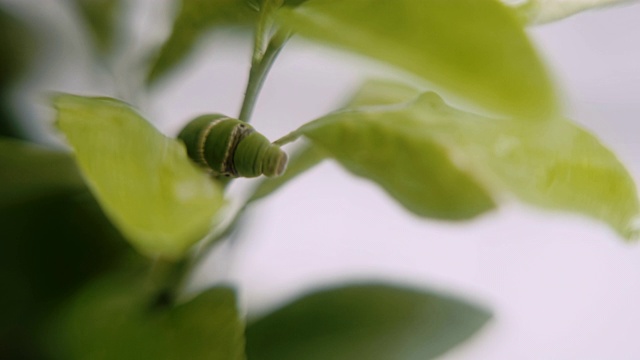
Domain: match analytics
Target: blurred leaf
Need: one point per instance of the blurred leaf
(144, 181)
(429, 155)
(194, 19)
(544, 11)
(119, 319)
(390, 147)
(303, 160)
(294, 3)
(49, 247)
(367, 321)
(17, 42)
(475, 48)
(54, 238)
(376, 92)
(18, 46)
(29, 172)
(100, 17)
(554, 164)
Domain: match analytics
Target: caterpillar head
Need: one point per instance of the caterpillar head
(230, 147)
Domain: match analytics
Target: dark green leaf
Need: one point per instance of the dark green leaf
(18, 47)
(431, 157)
(120, 319)
(49, 247)
(194, 19)
(368, 321)
(100, 17)
(144, 181)
(475, 48)
(29, 172)
(303, 160)
(54, 238)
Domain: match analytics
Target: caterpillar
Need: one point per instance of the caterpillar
(232, 148)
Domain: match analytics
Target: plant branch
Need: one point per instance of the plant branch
(261, 62)
(260, 67)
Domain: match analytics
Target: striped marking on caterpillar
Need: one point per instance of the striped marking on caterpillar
(232, 148)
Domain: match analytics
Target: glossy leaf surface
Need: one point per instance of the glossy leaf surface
(365, 321)
(476, 49)
(144, 181)
(120, 319)
(195, 18)
(431, 158)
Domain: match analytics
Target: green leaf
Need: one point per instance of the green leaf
(118, 318)
(476, 49)
(100, 17)
(376, 92)
(430, 157)
(391, 148)
(29, 172)
(554, 164)
(544, 11)
(294, 3)
(194, 19)
(365, 321)
(373, 92)
(303, 160)
(144, 181)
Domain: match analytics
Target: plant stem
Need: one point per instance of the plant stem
(259, 69)
(176, 277)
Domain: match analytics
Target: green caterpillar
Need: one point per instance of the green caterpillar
(232, 148)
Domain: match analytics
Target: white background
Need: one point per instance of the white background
(561, 287)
